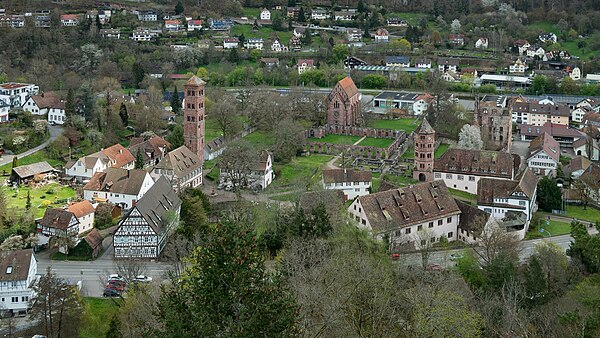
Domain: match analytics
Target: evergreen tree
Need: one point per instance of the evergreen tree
(291, 3)
(361, 8)
(536, 286)
(139, 159)
(123, 114)
(70, 104)
(278, 23)
(175, 103)
(179, 8)
(15, 162)
(176, 137)
(28, 202)
(98, 24)
(321, 224)
(549, 196)
(233, 56)
(307, 38)
(138, 74)
(114, 328)
(242, 39)
(301, 15)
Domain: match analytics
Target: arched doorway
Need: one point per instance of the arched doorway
(422, 177)
(579, 152)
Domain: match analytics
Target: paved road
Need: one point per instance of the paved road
(54, 131)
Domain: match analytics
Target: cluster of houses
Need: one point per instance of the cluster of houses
(28, 97)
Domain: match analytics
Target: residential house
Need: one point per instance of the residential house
(456, 39)
(320, 14)
(220, 25)
(353, 62)
(118, 186)
(445, 64)
(295, 43)
(538, 113)
(143, 34)
(576, 167)
(450, 76)
(39, 171)
(511, 202)
(344, 15)
(18, 275)
(270, 62)
(84, 212)
(412, 103)
(292, 12)
(94, 240)
(172, 25)
(548, 38)
(15, 94)
(382, 35)
(575, 74)
(536, 52)
(544, 155)
(43, 103)
(481, 43)
(229, 43)
(144, 231)
(423, 63)
(591, 179)
(299, 32)
(194, 25)
(265, 14)
(474, 223)
(57, 223)
(254, 43)
(69, 20)
(204, 44)
(12, 21)
(396, 22)
(352, 183)
(397, 61)
(181, 167)
(4, 110)
(354, 34)
(578, 113)
(110, 33)
(304, 65)
(519, 67)
(42, 19)
(147, 15)
(412, 216)
(278, 47)
(565, 135)
(256, 177)
(522, 46)
(152, 150)
(115, 156)
(462, 169)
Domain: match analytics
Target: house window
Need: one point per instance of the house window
(423, 242)
(522, 203)
(450, 234)
(364, 221)
(419, 227)
(449, 219)
(449, 176)
(407, 231)
(437, 175)
(25, 299)
(15, 299)
(460, 177)
(431, 224)
(440, 222)
(472, 178)
(432, 239)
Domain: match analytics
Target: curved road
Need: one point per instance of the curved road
(54, 131)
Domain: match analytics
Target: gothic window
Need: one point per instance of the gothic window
(193, 106)
(429, 155)
(336, 104)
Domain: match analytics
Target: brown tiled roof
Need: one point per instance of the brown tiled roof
(403, 207)
(119, 154)
(478, 162)
(346, 175)
(57, 218)
(555, 130)
(385, 186)
(81, 209)
(592, 116)
(19, 261)
(348, 86)
(546, 143)
(580, 142)
(152, 146)
(471, 218)
(490, 188)
(29, 170)
(577, 163)
(425, 128)
(181, 160)
(195, 81)
(117, 180)
(591, 176)
(527, 183)
(47, 100)
(550, 109)
(93, 238)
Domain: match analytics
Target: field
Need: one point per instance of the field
(336, 139)
(259, 140)
(376, 142)
(40, 197)
(300, 172)
(411, 18)
(212, 130)
(407, 124)
(399, 181)
(553, 228)
(99, 312)
(441, 150)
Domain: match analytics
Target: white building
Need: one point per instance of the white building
(415, 216)
(575, 74)
(15, 94)
(448, 64)
(194, 25)
(69, 20)
(85, 167)
(265, 14)
(462, 169)
(544, 155)
(4, 110)
(412, 103)
(254, 43)
(144, 34)
(118, 186)
(172, 25)
(278, 47)
(319, 14)
(84, 211)
(354, 34)
(548, 37)
(518, 67)
(343, 15)
(352, 183)
(181, 167)
(110, 33)
(58, 223)
(257, 177)
(18, 269)
(304, 65)
(423, 63)
(481, 43)
(382, 35)
(511, 202)
(577, 114)
(147, 16)
(229, 43)
(144, 231)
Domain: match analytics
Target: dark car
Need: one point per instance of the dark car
(108, 292)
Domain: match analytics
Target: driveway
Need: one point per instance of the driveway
(54, 132)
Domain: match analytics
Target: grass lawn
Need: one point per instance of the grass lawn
(463, 196)
(589, 214)
(251, 13)
(407, 124)
(260, 140)
(376, 142)
(99, 312)
(409, 153)
(545, 26)
(336, 139)
(301, 170)
(34, 158)
(441, 150)
(40, 199)
(212, 130)
(291, 197)
(553, 228)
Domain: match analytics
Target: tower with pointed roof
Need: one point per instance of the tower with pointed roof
(193, 116)
(343, 104)
(424, 141)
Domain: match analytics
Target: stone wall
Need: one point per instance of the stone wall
(325, 130)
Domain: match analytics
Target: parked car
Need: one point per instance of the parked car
(116, 285)
(108, 292)
(142, 279)
(115, 277)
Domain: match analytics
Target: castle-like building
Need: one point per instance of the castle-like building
(343, 104)
(193, 116)
(424, 141)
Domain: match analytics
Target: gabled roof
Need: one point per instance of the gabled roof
(181, 160)
(591, 176)
(29, 170)
(48, 100)
(156, 202)
(425, 128)
(14, 265)
(555, 130)
(478, 162)
(489, 188)
(93, 238)
(153, 146)
(308, 62)
(346, 175)
(472, 219)
(57, 218)
(348, 86)
(117, 180)
(81, 209)
(403, 207)
(577, 163)
(195, 81)
(397, 59)
(545, 143)
(118, 155)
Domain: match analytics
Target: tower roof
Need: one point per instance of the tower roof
(195, 81)
(425, 128)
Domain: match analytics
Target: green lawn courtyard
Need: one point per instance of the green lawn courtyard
(53, 195)
(441, 150)
(406, 124)
(260, 140)
(550, 228)
(463, 196)
(300, 172)
(336, 139)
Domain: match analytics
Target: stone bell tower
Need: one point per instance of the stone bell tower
(424, 141)
(193, 116)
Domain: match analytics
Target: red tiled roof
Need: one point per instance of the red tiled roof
(347, 86)
(118, 155)
(546, 143)
(69, 17)
(81, 209)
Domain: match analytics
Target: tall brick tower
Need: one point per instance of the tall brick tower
(193, 116)
(424, 141)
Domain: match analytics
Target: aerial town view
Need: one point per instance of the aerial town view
(299, 168)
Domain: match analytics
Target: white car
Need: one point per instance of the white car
(115, 277)
(142, 278)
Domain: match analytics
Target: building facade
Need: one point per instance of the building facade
(492, 115)
(352, 183)
(18, 269)
(118, 186)
(181, 167)
(544, 155)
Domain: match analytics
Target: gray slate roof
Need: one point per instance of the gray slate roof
(156, 202)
